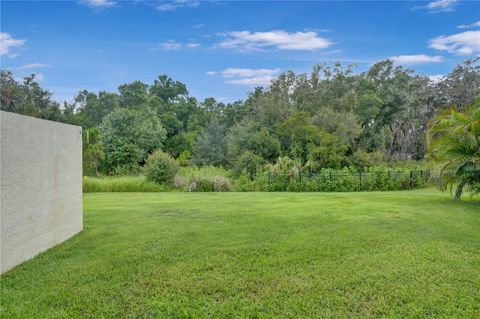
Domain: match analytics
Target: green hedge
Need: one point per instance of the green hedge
(211, 179)
(346, 180)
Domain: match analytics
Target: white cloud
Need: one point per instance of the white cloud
(100, 3)
(277, 39)
(467, 26)
(416, 59)
(253, 81)
(198, 26)
(168, 46)
(7, 43)
(33, 66)
(177, 4)
(464, 43)
(244, 73)
(171, 45)
(249, 77)
(439, 6)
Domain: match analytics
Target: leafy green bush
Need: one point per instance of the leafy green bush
(248, 162)
(128, 136)
(185, 158)
(361, 159)
(376, 178)
(160, 168)
(244, 183)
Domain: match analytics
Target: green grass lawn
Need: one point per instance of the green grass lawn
(410, 254)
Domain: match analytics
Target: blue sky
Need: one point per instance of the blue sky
(225, 49)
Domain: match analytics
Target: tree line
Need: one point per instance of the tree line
(331, 117)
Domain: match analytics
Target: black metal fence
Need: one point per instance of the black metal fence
(410, 178)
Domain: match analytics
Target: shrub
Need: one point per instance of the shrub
(211, 184)
(179, 181)
(244, 183)
(128, 136)
(200, 185)
(204, 179)
(247, 161)
(221, 184)
(160, 168)
(185, 158)
(126, 170)
(344, 180)
(377, 178)
(361, 159)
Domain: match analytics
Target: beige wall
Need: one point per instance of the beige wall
(41, 186)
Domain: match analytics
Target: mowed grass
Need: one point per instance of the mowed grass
(410, 254)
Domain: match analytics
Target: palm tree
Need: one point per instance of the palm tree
(454, 145)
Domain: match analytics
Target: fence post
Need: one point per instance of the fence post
(360, 177)
(411, 179)
(269, 177)
(330, 176)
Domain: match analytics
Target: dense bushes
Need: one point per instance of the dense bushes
(378, 178)
(205, 179)
(330, 118)
(160, 168)
(281, 178)
(128, 136)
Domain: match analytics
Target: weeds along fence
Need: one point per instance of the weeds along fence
(349, 181)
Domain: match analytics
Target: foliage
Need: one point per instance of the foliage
(185, 158)
(331, 117)
(250, 137)
(248, 163)
(245, 183)
(361, 159)
(27, 98)
(129, 136)
(344, 125)
(92, 151)
(286, 176)
(205, 179)
(211, 146)
(212, 184)
(454, 145)
(160, 168)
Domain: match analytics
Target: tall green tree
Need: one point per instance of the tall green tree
(251, 136)
(129, 136)
(28, 98)
(92, 108)
(92, 151)
(134, 95)
(305, 141)
(211, 146)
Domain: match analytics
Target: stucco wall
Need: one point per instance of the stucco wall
(41, 186)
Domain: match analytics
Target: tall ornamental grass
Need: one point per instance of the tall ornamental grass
(121, 184)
